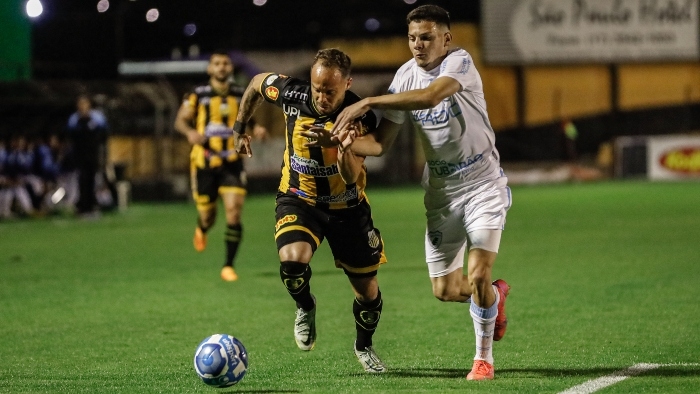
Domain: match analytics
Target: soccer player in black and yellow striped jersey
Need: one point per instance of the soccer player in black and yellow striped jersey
(322, 195)
(206, 118)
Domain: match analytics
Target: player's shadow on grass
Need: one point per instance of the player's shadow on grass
(450, 373)
(260, 391)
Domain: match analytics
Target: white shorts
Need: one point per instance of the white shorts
(461, 217)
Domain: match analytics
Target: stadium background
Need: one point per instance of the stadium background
(603, 264)
(138, 70)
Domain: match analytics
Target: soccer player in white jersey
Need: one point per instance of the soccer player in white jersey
(466, 196)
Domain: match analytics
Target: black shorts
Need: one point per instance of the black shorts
(356, 244)
(207, 183)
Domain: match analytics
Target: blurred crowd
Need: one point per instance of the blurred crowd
(59, 173)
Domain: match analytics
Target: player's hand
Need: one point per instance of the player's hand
(194, 138)
(260, 133)
(347, 136)
(242, 144)
(348, 115)
(319, 137)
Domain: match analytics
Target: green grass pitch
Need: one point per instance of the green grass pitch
(603, 276)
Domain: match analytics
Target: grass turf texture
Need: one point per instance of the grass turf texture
(603, 276)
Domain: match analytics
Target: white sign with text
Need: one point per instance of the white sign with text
(555, 31)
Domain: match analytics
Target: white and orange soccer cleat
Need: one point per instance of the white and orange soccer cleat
(481, 370)
(200, 240)
(501, 319)
(229, 274)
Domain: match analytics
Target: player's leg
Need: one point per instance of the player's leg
(445, 246)
(298, 234)
(232, 189)
(205, 194)
(484, 220)
(233, 199)
(367, 309)
(358, 249)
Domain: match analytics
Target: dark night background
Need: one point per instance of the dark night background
(71, 38)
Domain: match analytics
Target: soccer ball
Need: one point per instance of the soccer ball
(221, 360)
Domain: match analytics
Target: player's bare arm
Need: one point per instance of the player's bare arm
(378, 142)
(183, 122)
(251, 100)
(349, 163)
(410, 100)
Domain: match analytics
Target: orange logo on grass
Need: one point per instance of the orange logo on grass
(272, 92)
(285, 220)
(686, 160)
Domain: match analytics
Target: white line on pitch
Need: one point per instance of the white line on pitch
(594, 385)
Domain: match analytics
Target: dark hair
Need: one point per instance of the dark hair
(333, 57)
(220, 52)
(429, 13)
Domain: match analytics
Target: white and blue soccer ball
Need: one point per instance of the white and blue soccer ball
(221, 360)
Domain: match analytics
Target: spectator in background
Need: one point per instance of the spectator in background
(5, 196)
(65, 195)
(42, 179)
(87, 131)
(16, 169)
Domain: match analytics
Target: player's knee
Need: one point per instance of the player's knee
(233, 215)
(295, 276)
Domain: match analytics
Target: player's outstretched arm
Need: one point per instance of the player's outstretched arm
(252, 97)
(409, 100)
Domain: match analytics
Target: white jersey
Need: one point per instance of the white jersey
(456, 135)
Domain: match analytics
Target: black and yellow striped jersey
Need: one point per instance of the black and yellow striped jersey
(312, 173)
(215, 114)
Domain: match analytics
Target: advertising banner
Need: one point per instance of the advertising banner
(673, 157)
(569, 31)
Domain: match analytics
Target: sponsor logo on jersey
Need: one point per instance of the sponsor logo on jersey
(311, 167)
(435, 238)
(685, 160)
(438, 115)
(290, 111)
(372, 239)
(271, 79)
(224, 108)
(285, 220)
(345, 196)
(442, 168)
(217, 130)
(296, 95)
(272, 92)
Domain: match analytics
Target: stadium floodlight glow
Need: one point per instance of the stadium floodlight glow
(102, 5)
(34, 8)
(190, 29)
(372, 24)
(260, 3)
(152, 15)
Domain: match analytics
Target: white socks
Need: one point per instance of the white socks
(484, 325)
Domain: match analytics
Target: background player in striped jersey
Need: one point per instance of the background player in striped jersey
(466, 196)
(321, 195)
(206, 117)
